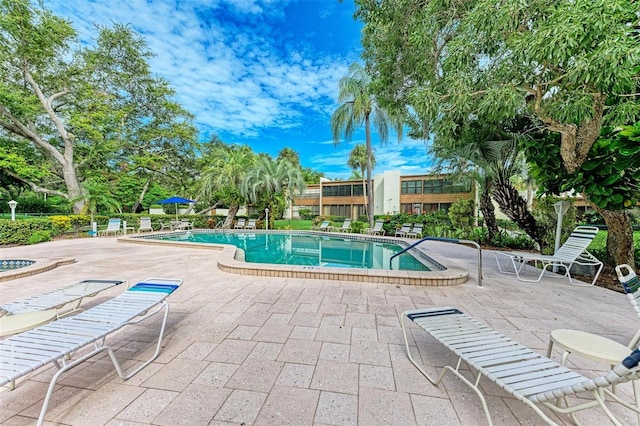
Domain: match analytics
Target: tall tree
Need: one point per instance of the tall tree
(573, 65)
(225, 174)
(358, 160)
(78, 106)
(358, 107)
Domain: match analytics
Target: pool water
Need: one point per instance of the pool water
(311, 250)
(10, 265)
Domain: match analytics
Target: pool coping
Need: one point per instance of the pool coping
(40, 265)
(228, 261)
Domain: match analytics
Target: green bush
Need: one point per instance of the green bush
(306, 214)
(20, 230)
(547, 219)
(39, 237)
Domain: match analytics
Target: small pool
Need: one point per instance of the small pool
(10, 265)
(314, 250)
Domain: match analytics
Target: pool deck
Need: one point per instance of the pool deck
(242, 349)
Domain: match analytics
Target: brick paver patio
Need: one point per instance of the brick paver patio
(243, 350)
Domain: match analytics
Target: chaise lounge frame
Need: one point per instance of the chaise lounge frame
(56, 343)
(530, 377)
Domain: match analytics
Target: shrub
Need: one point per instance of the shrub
(306, 214)
(60, 224)
(39, 237)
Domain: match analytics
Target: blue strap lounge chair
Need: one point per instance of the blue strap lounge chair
(57, 342)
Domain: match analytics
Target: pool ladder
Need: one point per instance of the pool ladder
(446, 240)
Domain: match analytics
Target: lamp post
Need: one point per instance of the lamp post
(12, 206)
(266, 222)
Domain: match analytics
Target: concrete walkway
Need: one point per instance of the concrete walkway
(243, 350)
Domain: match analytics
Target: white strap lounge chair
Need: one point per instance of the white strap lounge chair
(240, 224)
(33, 311)
(251, 224)
(530, 377)
(145, 225)
(402, 232)
(377, 228)
(599, 348)
(324, 226)
(572, 252)
(113, 227)
(346, 226)
(57, 342)
(416, 231)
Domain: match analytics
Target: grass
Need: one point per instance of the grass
(295, 224)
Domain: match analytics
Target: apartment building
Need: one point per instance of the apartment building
(392, 192)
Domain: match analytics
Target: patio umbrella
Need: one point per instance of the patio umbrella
(176, 201)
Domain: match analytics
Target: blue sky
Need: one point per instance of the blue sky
(258, 72)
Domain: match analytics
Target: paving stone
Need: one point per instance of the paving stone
(295, 375)
(337, 409)
(241, 407)
(289, 406)
(300, 351)
(335, 376)
(196, 405)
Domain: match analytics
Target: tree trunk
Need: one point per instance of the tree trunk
(488, 213)
(364, 195)
(233, 209)
(369, 194)
(141, 196)
(515, 207)
(619, 236)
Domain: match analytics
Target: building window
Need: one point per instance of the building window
(342, 210)
(357, 190)
(411, 187)
(336, 191)
(440, 186)
(430, 207)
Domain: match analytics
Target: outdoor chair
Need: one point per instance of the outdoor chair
(164, 226)
(521, 372)
(346, 226)
(240, 224)
(599, 348)
(57, 342)
(324, 226)
(185, 224)
(39, 309)
(402, 232)
(416, 231)
(113, 227)
(377, 228)
(572, 252)
(251, 224)
(145, 224)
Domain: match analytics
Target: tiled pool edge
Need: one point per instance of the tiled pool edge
(453, 275)
(40, 265)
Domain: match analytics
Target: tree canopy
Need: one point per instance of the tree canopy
(573, 66)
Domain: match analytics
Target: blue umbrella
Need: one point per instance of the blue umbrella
(176, 201)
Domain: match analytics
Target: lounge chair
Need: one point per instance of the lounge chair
(33, 311)
(164, 226)
(599, 348)
(346, 226)
(185, 224)
(251, 224)
(240, 224)
(113, 227)
(522, 372)
(377, 228)
(324, 226)
(572, 252)
(416, 231)
(402, 232)
(145, 224)
(57, 342)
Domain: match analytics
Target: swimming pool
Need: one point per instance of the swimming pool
(445, 272)
(11, 264)
(315, 250)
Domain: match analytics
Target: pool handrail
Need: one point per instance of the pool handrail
(445, 240)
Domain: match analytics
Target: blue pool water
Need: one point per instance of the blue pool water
(312, 250)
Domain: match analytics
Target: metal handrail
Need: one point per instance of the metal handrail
(446, 240)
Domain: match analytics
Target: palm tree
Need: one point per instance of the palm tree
(97, 194)
(358, 162)
(225, 175)
(359, 108)
(271, 181)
